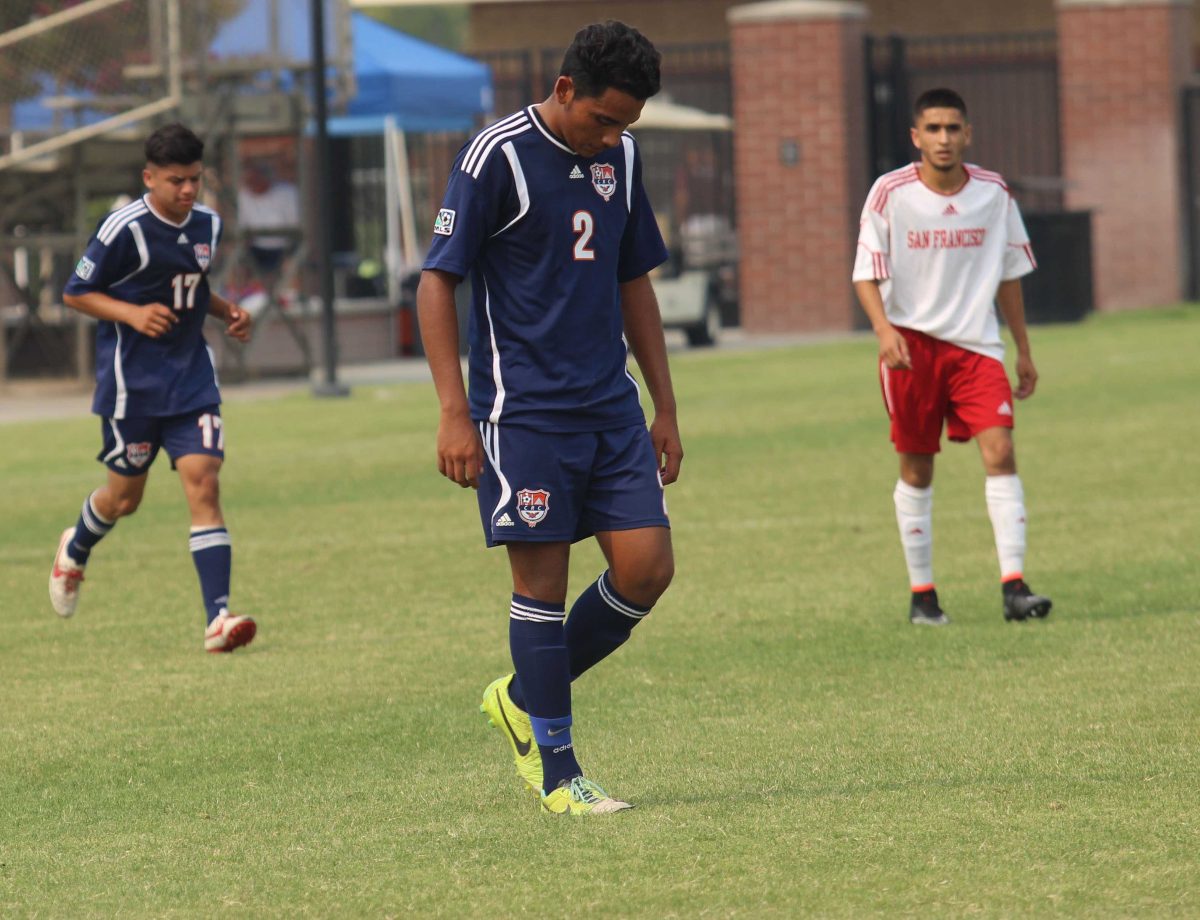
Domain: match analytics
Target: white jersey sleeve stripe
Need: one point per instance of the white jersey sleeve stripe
(216, 228)
(139, 239)
(119, 214)
(514, 163)
(484, 136)
(109, 232)
(492, 144)
(627, 143)
(216, 232)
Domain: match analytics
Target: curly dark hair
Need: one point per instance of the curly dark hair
(174, 143)
(940, 98)
(612, 54)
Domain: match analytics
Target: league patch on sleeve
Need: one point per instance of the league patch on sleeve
(444, 225)
(85, 269)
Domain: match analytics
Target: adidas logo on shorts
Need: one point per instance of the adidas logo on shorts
(504, 521)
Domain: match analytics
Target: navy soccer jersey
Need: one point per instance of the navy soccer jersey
(141, 257)
(546, 237)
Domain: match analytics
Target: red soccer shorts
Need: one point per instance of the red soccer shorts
(967, 390)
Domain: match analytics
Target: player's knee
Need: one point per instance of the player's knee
(1000, 459)
(124, 505)
(649, 581)
(205, 489)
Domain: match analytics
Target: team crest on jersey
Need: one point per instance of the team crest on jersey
(533, 505)
(203, 255)
(444, 225)
(138, 453)
(604, 179)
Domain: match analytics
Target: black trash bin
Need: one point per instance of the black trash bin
(1060, 291)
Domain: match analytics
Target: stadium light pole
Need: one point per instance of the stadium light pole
(329, 386)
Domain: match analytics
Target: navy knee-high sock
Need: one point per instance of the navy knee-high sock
(539, 653)
(599, 623)
(212, 553)
(90, 529)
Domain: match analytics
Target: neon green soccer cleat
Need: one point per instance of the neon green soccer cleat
(581, 797)
(514, 724)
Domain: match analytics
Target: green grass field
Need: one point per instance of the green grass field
(794, 747)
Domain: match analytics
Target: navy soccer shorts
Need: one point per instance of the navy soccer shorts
(131, 444)
(547, 487)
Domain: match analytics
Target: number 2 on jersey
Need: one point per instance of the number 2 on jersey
(584, 225)
(188, 283)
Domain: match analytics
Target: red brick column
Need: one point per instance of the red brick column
(1121, 65)
(800, 161)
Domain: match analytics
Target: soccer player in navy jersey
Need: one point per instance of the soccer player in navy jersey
(145, 278)
(546, 213)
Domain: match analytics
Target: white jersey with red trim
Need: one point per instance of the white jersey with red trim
(940, 258)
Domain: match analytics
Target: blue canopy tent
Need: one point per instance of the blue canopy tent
(402, 85)
(423, 87)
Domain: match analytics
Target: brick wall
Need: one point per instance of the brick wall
(551, 23)
(798, 81)
(499, 26)
(1121, 66)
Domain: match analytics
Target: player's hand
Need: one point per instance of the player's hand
(459, 450)
(1027, 377)
(152, 320)
(238, 323)
(893, 350)
(668, 448)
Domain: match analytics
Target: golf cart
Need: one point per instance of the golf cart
(697, 288)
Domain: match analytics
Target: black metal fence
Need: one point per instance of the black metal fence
(687, 175)
(1010, 84)
(1191, 179)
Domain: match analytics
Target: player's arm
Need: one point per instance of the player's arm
(893, 349)
(459, 449)
(872, 266)
(644, 331)
(1012, 307)
(151, 320)
(237, 321)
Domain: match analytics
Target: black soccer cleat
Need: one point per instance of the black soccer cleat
(1020, 603)
(924, 610)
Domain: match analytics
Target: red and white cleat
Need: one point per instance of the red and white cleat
(65, 578)
(227, 632)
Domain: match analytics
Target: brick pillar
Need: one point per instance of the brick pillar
(1121, 66)
(800, 161)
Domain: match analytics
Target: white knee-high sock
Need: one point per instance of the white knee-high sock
(914, 516)
(1006, 508)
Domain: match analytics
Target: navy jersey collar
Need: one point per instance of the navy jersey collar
(164, 219)
(540, 124)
